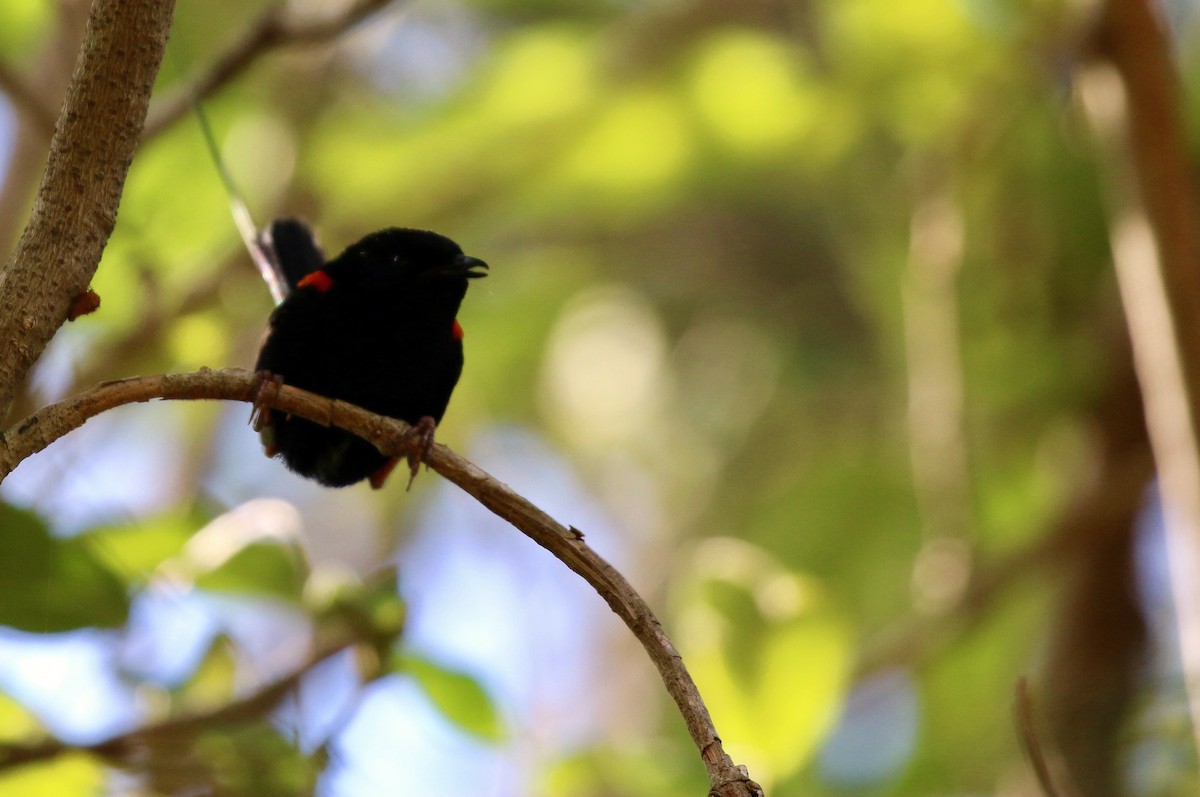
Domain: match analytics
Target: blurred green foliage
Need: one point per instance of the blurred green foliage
(704, 224)
(53, 585)
(73, 774)
(458, 696)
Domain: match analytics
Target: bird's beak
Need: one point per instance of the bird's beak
(466, 266)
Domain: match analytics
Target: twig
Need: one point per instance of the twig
(1031, 741)
(273, 30)
(391, 437)
(124, 745)
(1027, 732)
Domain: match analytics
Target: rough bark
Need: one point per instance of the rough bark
(76, 205)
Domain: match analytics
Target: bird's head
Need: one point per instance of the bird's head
(407, 258)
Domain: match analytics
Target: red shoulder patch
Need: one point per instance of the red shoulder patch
(318, 279)
(456, 330)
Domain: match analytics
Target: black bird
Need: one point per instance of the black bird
(376, 326)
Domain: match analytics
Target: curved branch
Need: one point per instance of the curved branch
(391, 437)
(272, 31)
(127, 744)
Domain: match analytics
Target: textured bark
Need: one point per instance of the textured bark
(76, 205)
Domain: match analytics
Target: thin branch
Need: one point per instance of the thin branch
(1031, 741)
(273, 30)
(123, 746)
(391, 437)
(26, 100)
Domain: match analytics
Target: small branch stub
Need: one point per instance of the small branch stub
(85, 303)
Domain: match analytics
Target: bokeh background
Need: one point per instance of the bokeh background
(802, 310)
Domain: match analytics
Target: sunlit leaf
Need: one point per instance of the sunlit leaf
(16, 723)
(753, 91)
(460, 697)
(639, 149)
(644, 770)
(135, 550)
(25, 22)
(371, 609)
(555, 64)
(212, 682)
(198, 340)
(770, 653)
(73, 775)
(259, 569)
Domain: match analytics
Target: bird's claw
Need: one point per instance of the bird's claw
(268, 388)
(423, 430)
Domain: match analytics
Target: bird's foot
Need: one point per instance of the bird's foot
(268, 388)
(423, 431)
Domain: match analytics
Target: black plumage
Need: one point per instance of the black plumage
(376, 326)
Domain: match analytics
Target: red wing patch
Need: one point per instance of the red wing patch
(318, 279)
(456, 330)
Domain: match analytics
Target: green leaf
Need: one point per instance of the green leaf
(73, 775)
(212, 682)
(16, 723)
(781, 708)
(261, 568)
(135, 550)
(24, 24)
(458, 696)
(652, 768)
(770, 653)
(49, 585)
